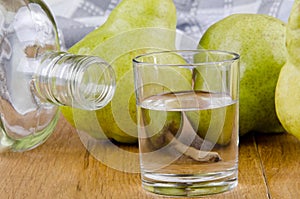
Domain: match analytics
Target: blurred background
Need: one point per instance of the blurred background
(76, 18)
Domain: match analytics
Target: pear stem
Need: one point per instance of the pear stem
(198, 155)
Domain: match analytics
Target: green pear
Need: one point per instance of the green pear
(287, 98)
(134, 27)
(259, 39)
(159, 123)
(215, 125)
(160, 84)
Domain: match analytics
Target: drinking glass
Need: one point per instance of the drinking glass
(187, 113)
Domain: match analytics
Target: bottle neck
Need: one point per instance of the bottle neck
(84, 82)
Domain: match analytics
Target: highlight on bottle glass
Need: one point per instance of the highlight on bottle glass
(187, 113)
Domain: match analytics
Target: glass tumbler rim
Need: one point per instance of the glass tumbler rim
(234, 57)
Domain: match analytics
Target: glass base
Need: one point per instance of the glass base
(190, 185)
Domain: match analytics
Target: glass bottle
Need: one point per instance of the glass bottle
(36, 77)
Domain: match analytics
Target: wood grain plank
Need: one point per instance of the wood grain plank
(280, 154)
(63, 168)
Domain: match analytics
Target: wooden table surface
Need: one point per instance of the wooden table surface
(269, 167)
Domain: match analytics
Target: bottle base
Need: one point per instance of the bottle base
(29, 142)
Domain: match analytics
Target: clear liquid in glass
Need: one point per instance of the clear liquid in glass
(188, 142)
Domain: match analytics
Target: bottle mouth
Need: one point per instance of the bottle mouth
(78, 81)
(94, 84)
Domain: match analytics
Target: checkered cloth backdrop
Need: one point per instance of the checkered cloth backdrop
(76, 18)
